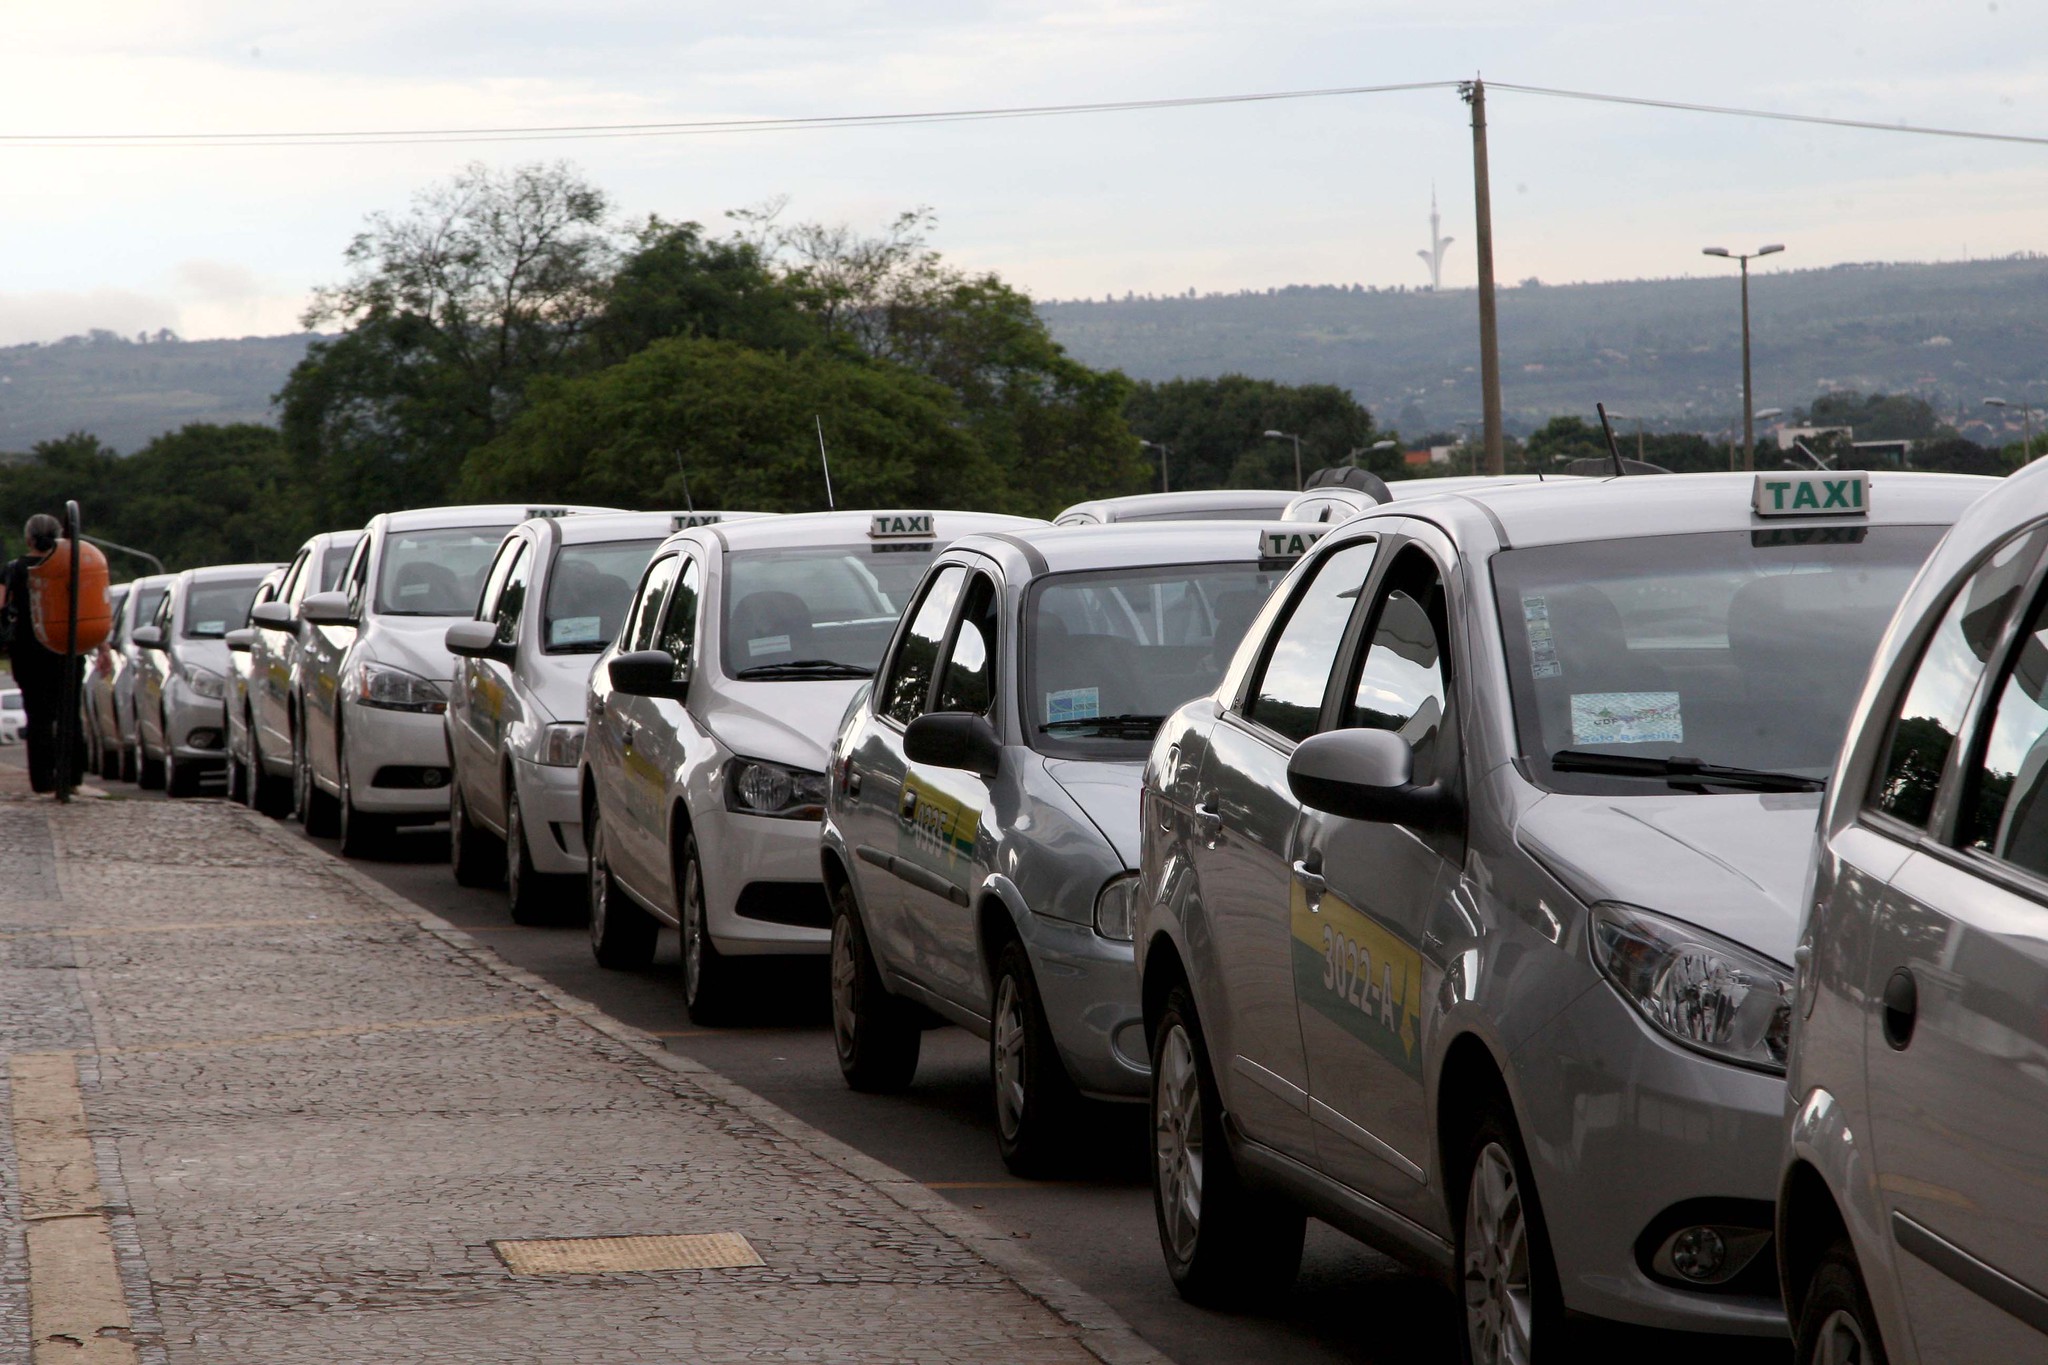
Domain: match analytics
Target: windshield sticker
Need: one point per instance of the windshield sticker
(1542, 647)
(1626, 718)
(575, 630)
(1074, 703)
(414, 589)
(768, 644)
(210, 628)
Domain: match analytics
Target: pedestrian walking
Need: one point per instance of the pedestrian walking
(38, 670)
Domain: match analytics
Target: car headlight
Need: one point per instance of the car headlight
(1116, 907)
(205, 683)
(756, 788)
(394, 689)
(1701, 990)
(561, 746)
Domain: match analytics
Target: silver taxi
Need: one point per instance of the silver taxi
(181, 685)
(1336, 502)
(271, 715)
(1915, 1189)
(708, 722)
(1468, 900)
(1208, 504)
(980, 836)
(137, 609)
(370, 749)
(552, 601)
(102, 731)
(241, 784)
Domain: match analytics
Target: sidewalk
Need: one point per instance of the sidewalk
(261, 1110)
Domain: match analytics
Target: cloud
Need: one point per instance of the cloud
(46, 315)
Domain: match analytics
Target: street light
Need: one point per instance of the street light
(2026, 423)
(1357, 451)
(1159, 446)
(1290, 436)
(1748, 414)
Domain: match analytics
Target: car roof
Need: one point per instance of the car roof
(1124, 545)
(214, 572)
(850, 528)
(475, 514)
(586, 527)
(1255, 501)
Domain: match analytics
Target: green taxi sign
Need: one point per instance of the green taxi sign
(902, 525)
(1819, 493)
(1287, 542)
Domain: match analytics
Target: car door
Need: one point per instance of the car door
(632, 797)
(1365, 895)
(270, 666)
(1242, 850)
(323, 650)
(484, 704)
(1956, 1037)
(670, 732)
(156, 668)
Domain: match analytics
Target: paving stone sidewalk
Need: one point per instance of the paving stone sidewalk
(309, 1109)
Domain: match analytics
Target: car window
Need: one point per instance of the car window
(494, 581)
(357, 576)
(679, 622)
(1287, 698)
(590, 589)
(512, 599)
(161, 618)
(147, 601)
(288, 590)
(212, 609)
(910, 676)
(967, 679)
(435, 572)
(332, 564)
(1401, 683)
(1924, 727)
(640, 631)
(824, 604)
(2005, 806)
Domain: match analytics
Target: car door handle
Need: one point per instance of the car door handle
(853, 781)
(1309, 878)
(1208, 820)
(1901, 1009)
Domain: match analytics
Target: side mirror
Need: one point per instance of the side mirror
(954, 739)
(477, 640)
(240, 640)
(274, 616)
(327, 609)
(1363, 775)
(149, 637)
(647, 673)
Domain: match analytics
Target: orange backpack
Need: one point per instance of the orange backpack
(49, 587)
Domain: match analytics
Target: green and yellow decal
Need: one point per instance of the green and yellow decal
(1359, 976)
(935, 827)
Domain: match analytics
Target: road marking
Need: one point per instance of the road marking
(76, 1310)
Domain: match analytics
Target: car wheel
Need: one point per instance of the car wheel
(622, 935)
(361, 833)
(313, 807)
(1225, 1244)
(1837, 1326)
(707, 974)
(1035, 1098)
(474, 856)
(1512, 1302)
(531, 896)
(875, 1034)
(238, 778)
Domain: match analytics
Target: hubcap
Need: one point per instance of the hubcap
(1841, 1341)
(1498, 1303)
(1006, 1049)
(693, 925)
(1177, 1142)
(844, 1019)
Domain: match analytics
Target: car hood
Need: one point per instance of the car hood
(1734, 864)
(195, 652)
(559, 682)
(1108, 793)
(417, 644)
(791, 722)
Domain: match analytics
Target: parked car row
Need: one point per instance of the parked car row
(1437, 861)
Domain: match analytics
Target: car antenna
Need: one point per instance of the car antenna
(1612, 448)
(830, 506)
(689, 504)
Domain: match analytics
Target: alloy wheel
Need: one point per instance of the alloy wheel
(1177, 1141)
(1011, 1026)
(845, 1021)
(600, 882)
(1841, 1341)
(1499, 1302)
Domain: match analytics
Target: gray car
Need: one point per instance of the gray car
(1467, 901)
(102, 730)
(242, 785)
(181, 686)
(137, 609)
(1915, 1190)
(980, 835)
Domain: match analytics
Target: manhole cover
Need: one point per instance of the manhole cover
(613, 1255)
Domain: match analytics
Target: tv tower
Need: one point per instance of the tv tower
(1437, 242)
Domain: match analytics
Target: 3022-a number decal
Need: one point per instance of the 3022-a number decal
(1347, 973)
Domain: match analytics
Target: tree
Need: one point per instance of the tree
(1563, 439)
(1879, 416)
(1215, 430)
(676, 282)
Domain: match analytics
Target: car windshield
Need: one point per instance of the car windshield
(332, 562)
(1110, 653)
(816, 611)
(1739, 649)
(589, 590)
(12, 701)
(438, 572)
(213, 609)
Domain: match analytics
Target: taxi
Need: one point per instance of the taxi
(181, 685)
(980, 843)
(1335, 501)
(137, 609)
(271, 715)
(708, 723)
(515, 703)
(241, 786)
(1467, 901)
(369, 747)
(1912, 1200)
(102, 729)
(1208, 504)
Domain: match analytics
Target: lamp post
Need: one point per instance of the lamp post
(1357, 451)
(1159, 446)
(1748, 413)
(2026, 424)
(1290, 436)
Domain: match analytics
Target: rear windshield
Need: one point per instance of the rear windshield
(438, 572)
(834, 604)
(1738, 648)
(590, 589)
(213, 609)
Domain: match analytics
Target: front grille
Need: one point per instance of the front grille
(407, 777)
(802, 904)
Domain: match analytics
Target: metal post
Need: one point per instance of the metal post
(1298, 480)
(67, 717)
(1748, 401)
(1489, 340)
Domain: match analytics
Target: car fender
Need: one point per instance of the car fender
(1822, 1137)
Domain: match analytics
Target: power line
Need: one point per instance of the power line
(1867, 125)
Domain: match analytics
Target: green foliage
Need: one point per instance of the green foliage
(1563, 439)
(678, 283)
(1878, 416)
(1214, 430)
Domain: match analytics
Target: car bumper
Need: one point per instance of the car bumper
(380, 742)
(1089, 987)
(1621, 1126)
(551, 800)
(738, 850)
(195, 727)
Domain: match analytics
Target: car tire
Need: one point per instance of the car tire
(313, 808)
(149, 773)
(362, 834)
(1036, 1101)
(1513, 1306)
(268, 794)
(180, 779)
(531, 896)
(876, 1035)
(474, 855)
(238, 778)
(707, 973)
(622, 934)
(113, 766)
(1837, 1323)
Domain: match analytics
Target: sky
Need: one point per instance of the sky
(231, 241)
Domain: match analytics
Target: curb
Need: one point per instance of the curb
(1100, 1331)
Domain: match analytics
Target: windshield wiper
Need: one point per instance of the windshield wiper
(806, 668)
(1145, 725)
(1683, 772)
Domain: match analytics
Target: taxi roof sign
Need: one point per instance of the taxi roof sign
(1815, 493)
(540, 513)
(683, 521)
(902, 525)
(1288, 542)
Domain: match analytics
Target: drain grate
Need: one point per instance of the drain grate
(616, 1255)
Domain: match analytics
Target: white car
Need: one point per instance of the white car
(271, 711)
(709, 721)
(241, 767)
(138, 608)
(1202, 504)
(515, 706)
(181, 680)
(369, 749)
(13, 715)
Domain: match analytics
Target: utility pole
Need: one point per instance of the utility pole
(1748, 394)
(1474, 92)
